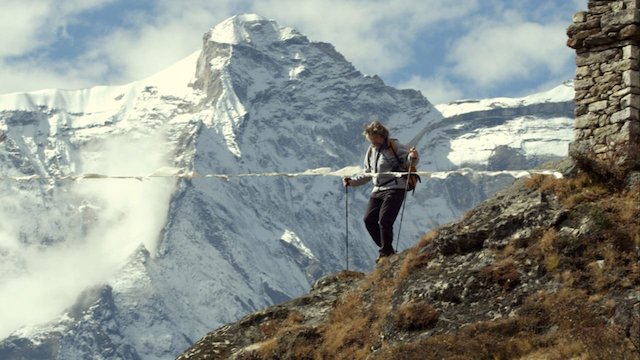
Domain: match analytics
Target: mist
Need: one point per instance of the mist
(74, 235)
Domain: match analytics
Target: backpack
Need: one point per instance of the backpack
(414, 178)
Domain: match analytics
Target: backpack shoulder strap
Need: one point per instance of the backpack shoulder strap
(369, 157)
(393, 150)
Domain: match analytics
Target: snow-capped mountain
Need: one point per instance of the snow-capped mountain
(537, 127)
(128, 269)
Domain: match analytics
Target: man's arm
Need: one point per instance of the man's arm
(362, 178)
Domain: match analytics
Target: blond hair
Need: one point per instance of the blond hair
(375, 128)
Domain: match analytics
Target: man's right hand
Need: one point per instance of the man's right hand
(346, 181)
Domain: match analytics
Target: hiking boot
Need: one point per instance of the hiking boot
(382, 256)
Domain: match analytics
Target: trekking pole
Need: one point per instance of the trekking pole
(346, 221)
(404, 203)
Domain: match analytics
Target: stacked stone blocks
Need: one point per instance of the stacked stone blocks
(607, 86)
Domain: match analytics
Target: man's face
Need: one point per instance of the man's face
(376, 140)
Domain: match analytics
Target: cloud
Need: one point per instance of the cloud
(496, 53)
(159, 37)
(29, 29)
(99, 224)
(488, 45)
(30, 75)
(437, 89)
(510, 48)
(376, 36)
(20, 22)
(27, 25)
(149, 40)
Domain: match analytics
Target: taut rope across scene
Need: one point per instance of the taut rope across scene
(180, 173)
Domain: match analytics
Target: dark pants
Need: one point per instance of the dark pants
(380, 215)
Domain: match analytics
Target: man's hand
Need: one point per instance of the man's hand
(346, 181)
(413, 153)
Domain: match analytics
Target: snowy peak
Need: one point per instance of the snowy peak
(257, 76)
(534, 129)
(250, 29)
(559, 94)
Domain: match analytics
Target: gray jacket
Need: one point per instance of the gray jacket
(382, 160)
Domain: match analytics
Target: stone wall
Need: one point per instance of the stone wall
(607, 127)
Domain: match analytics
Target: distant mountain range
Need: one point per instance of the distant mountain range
(127, 269)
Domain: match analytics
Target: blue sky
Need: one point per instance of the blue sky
(448, 49)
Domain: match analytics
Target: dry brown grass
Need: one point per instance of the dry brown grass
(548, 240)
(581, 319)
(504, 273)
(535, 181)
(346, 326)
(276, 331)
(416, 316)
(563, 325)
(545, 250)
(562, 350)
(551, 262)
(267, 349)
(272, 327)
(603, 257)
(293, 343)
(628, 206)
(416, 258)
(571, 191)
(427, 238)
(354, 324)
(624, 210)
(502, 339)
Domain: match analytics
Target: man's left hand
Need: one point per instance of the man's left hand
(413, 153)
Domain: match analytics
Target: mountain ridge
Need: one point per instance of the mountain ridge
(526, 274)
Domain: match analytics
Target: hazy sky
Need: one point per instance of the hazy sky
(449, 49)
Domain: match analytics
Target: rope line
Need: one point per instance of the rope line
(322, 172)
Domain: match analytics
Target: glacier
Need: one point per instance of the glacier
(140, 269)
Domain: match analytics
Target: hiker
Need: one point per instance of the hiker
(389, 191)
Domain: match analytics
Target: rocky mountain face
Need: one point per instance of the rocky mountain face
(129, 269)
(547, 269)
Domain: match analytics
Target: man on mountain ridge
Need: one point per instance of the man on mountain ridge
(384, 155)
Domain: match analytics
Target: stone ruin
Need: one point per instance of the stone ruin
(607, 87)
